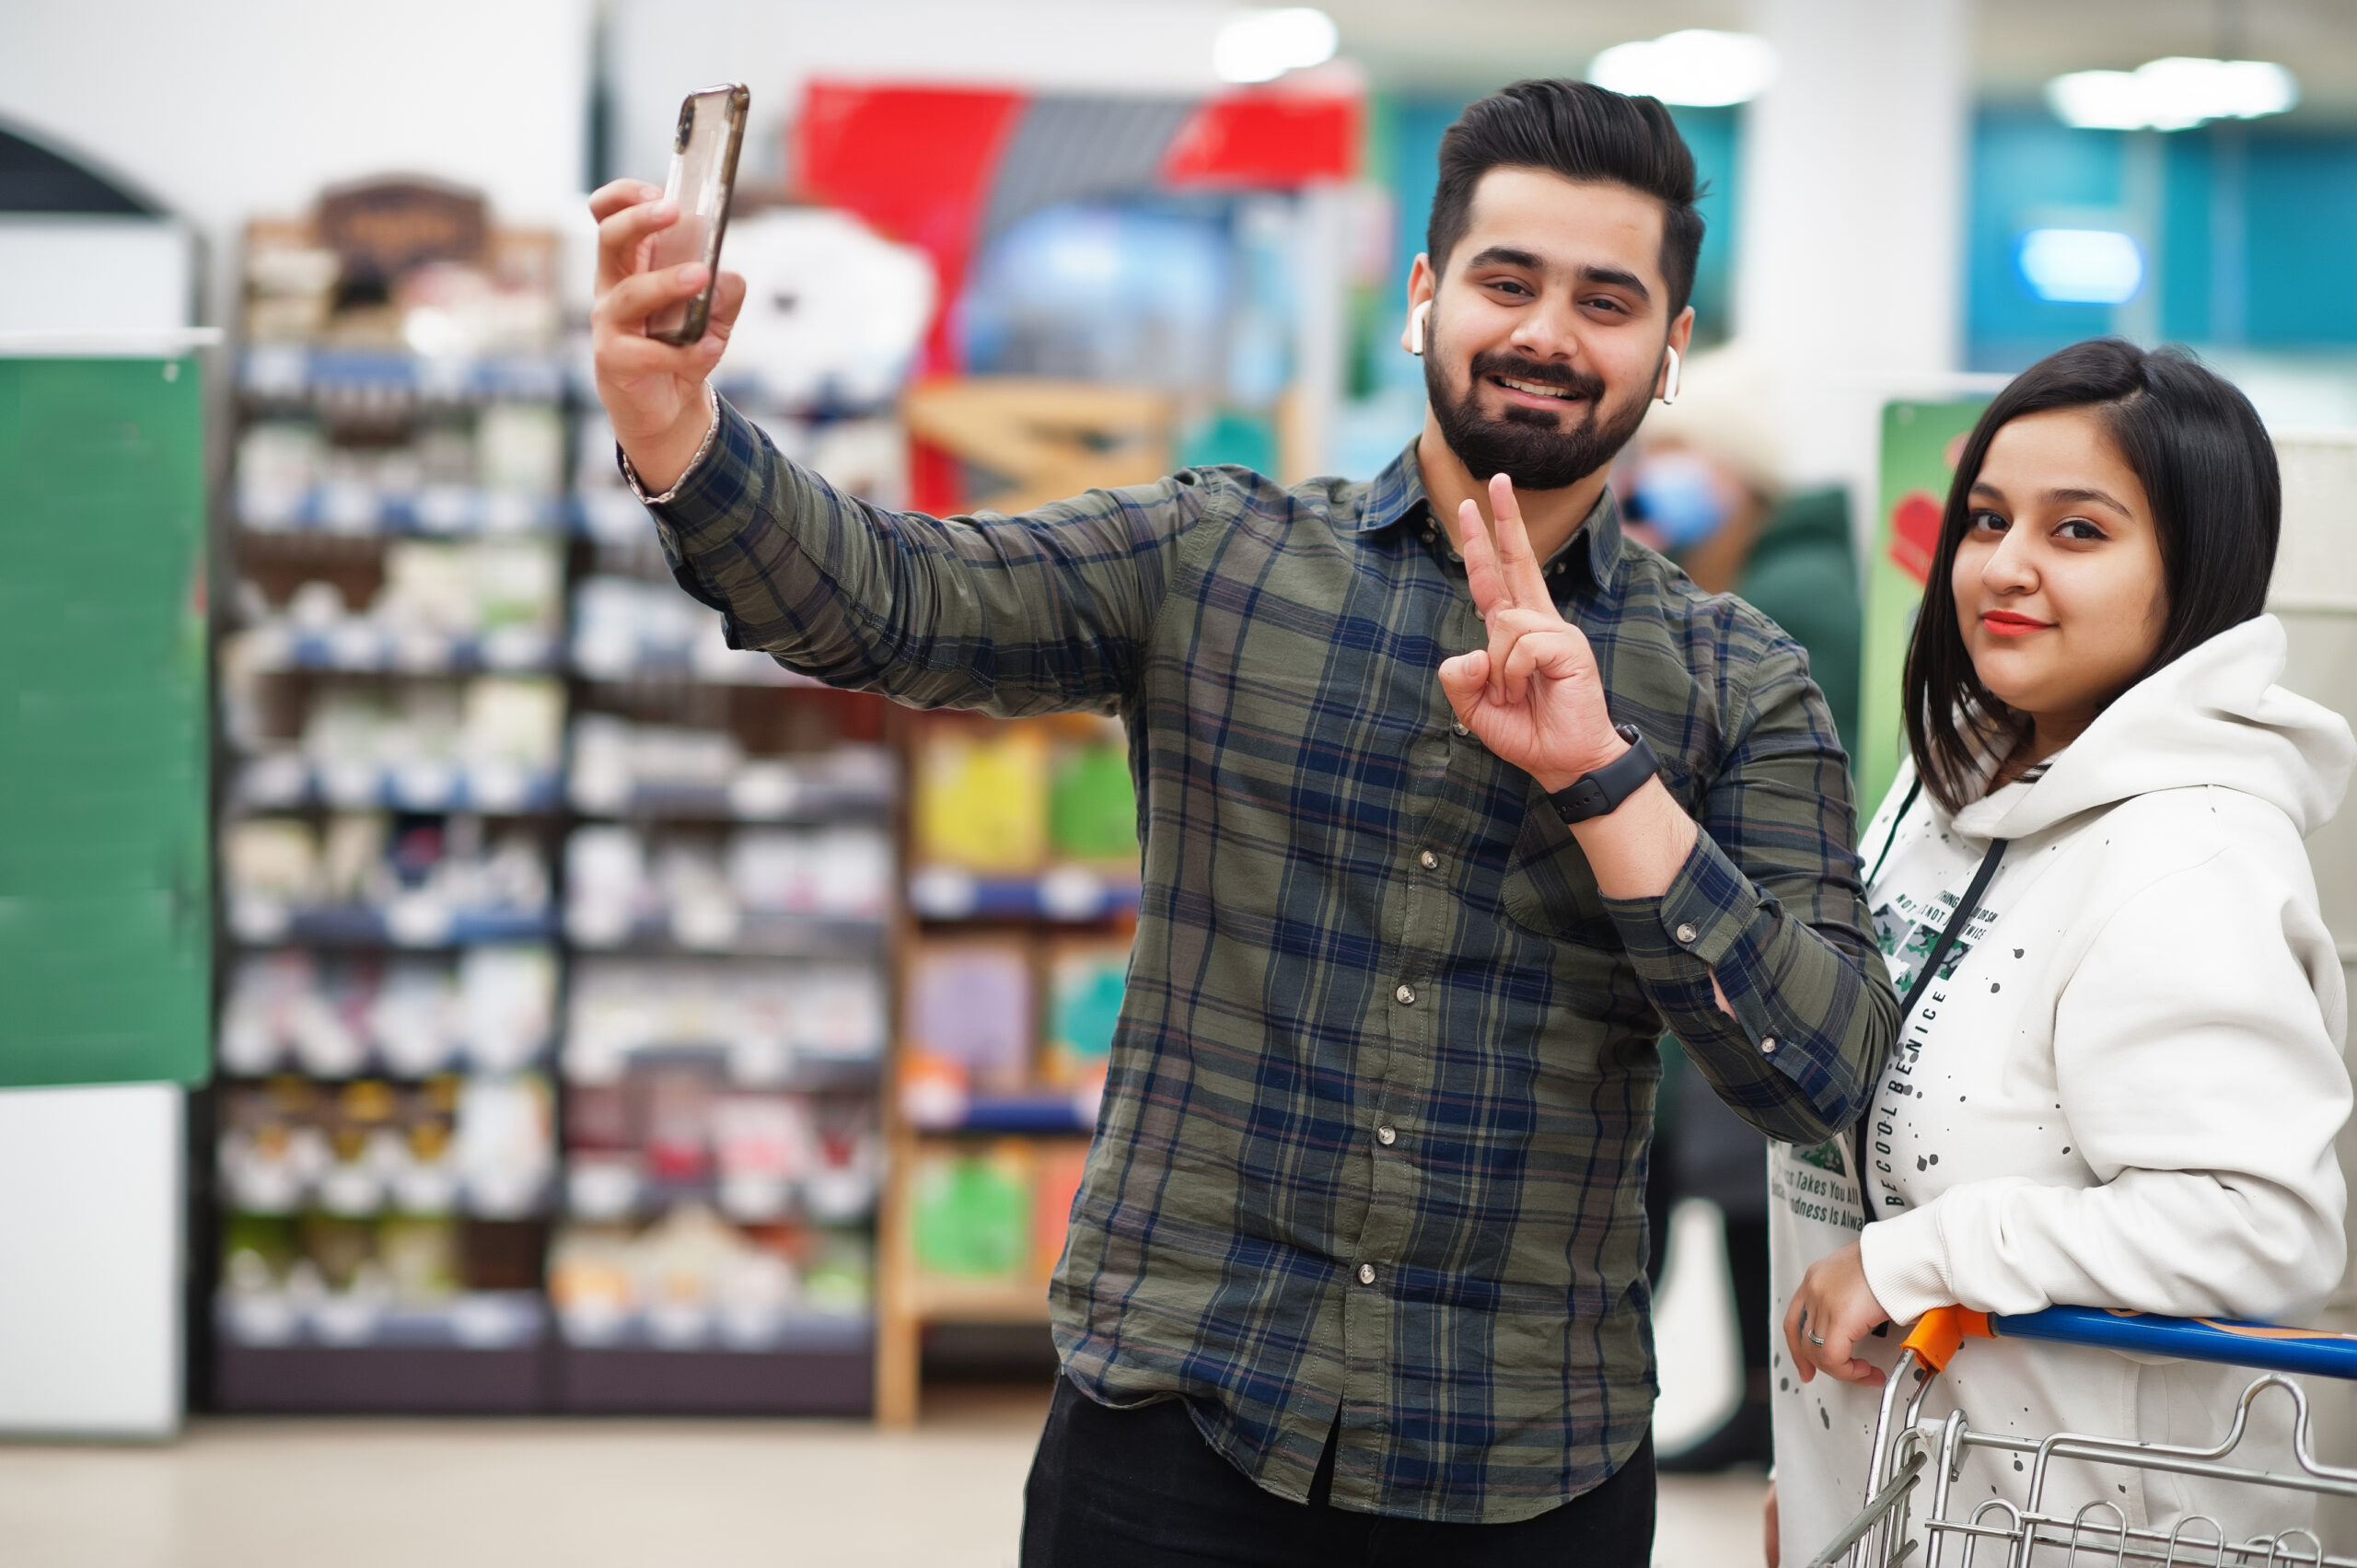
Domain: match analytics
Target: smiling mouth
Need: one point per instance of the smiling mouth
(2004, 625)
(1540, 389)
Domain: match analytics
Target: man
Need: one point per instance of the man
(1355, 1272)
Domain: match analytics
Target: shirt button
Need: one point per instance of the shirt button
(1767, 1045)
(1405, 997)
(1366, 1273)
(1460, 729)
(1386, 1136)
(1429, 861)
(1685, 935)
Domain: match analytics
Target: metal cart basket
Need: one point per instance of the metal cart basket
(1996, 1533)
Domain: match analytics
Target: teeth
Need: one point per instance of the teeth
(1534, 389)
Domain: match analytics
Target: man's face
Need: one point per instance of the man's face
(1544, 345)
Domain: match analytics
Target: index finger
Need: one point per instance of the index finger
(622, 232)
(1526, 579)
(615, 195)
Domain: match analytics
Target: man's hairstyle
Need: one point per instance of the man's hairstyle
(1581, 132)
(2208, 469)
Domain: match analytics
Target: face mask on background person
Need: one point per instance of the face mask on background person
(1681, 497)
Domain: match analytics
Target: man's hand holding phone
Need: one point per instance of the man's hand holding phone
(653, 391)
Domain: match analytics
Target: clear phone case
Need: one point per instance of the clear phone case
(704, 173)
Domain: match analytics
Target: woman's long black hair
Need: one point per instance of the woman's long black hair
(2208, 471)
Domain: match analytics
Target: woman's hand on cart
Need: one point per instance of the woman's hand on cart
(1832, 1311)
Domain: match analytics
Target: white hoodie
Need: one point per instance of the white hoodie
(2121, 1091)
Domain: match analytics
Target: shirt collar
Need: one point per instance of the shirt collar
(1398, 495)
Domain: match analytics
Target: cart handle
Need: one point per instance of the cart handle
(1936, 1338)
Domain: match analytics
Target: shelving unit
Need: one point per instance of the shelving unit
(1022, 898)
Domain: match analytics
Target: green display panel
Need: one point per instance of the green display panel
(105, 895)
(1917, 441)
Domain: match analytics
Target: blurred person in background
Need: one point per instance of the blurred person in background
(1703, 483)
(1356, 1267)
(2123, 1083)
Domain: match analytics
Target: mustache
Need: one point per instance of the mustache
(1514, 366)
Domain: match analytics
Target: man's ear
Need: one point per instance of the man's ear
(1420, 284)
(1681, 332)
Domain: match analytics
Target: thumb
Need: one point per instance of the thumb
(1466, 673)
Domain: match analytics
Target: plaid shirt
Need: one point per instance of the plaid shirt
(1374, 1140)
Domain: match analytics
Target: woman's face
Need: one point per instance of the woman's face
(2058, 581)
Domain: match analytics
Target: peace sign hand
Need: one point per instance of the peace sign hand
(1534, 695)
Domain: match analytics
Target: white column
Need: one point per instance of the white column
(1850, 272)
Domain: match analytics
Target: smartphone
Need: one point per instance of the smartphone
(704, 176)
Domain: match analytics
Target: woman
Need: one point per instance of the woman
(2118, 1083)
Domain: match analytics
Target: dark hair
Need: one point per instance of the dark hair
(1581, 132)
(2209, 472)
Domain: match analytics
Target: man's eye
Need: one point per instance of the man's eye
(1606, 302)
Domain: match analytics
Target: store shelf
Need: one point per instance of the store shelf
(750, 797)
(820, 1379)
(300, 372)
(765, 1065)
(409, 924)
(358, 648)
(602, 1192)
(436, 512)
(980, 1301)
(759, 935)
(1041, 1113)
(1065, 895)
(476, 1322)
(281, 780)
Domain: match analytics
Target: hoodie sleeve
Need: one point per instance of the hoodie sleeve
(2197, 1055)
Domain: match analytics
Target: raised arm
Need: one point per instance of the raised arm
(1048, 611)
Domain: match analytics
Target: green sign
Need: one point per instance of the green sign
(105, 892)
(1917, 442)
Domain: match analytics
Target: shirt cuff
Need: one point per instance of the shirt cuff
(1704, 914)
(703, 454)
(1901, 1258)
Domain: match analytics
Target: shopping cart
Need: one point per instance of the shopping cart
(1998, 1533)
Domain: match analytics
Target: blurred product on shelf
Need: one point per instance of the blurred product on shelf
(770, 1023)
(692, 1281)
(618, 767)
(834, 313)
(764, 890)
(631, 628)
(678, 1131)
(490, 1008)
(412, 881)
(1031, 819)
(489, 745)
(401, 264)
(1085, 981)
(440, 606)
(972, 1212)
(478, 1145)
(500, 470)
(968, 1026)
(334, 1280)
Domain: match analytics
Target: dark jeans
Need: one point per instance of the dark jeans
(1141, 1489)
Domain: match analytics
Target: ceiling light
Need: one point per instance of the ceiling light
(1695, 67)
(1260, 46)
(2172, 95)
(2082, 266)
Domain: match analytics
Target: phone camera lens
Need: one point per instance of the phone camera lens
(687, 129)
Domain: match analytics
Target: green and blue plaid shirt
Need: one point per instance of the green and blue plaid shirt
(1374, 1141)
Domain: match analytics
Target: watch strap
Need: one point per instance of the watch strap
(1600, 792)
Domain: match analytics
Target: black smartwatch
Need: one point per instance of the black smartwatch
(1601, 792)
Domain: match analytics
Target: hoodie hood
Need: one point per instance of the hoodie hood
(2214, 716)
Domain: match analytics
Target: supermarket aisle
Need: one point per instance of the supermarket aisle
(254, 1494)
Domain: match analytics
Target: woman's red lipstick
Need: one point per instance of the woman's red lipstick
(2003, 624)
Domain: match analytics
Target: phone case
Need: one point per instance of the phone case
(702, 178)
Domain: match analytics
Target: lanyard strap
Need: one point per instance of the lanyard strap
(1948, 933)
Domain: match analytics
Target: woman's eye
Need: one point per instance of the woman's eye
(2078, 528)
(1986, 522)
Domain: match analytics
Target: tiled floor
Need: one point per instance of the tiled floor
(599, 1495)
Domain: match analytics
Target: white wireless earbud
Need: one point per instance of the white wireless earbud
(1416, 320)
(1669, 377)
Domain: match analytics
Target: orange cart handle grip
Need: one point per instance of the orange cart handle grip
(1935, 1339)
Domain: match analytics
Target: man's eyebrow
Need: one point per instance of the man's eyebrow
(1610, 277)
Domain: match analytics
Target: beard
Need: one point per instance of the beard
(1531, 447)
